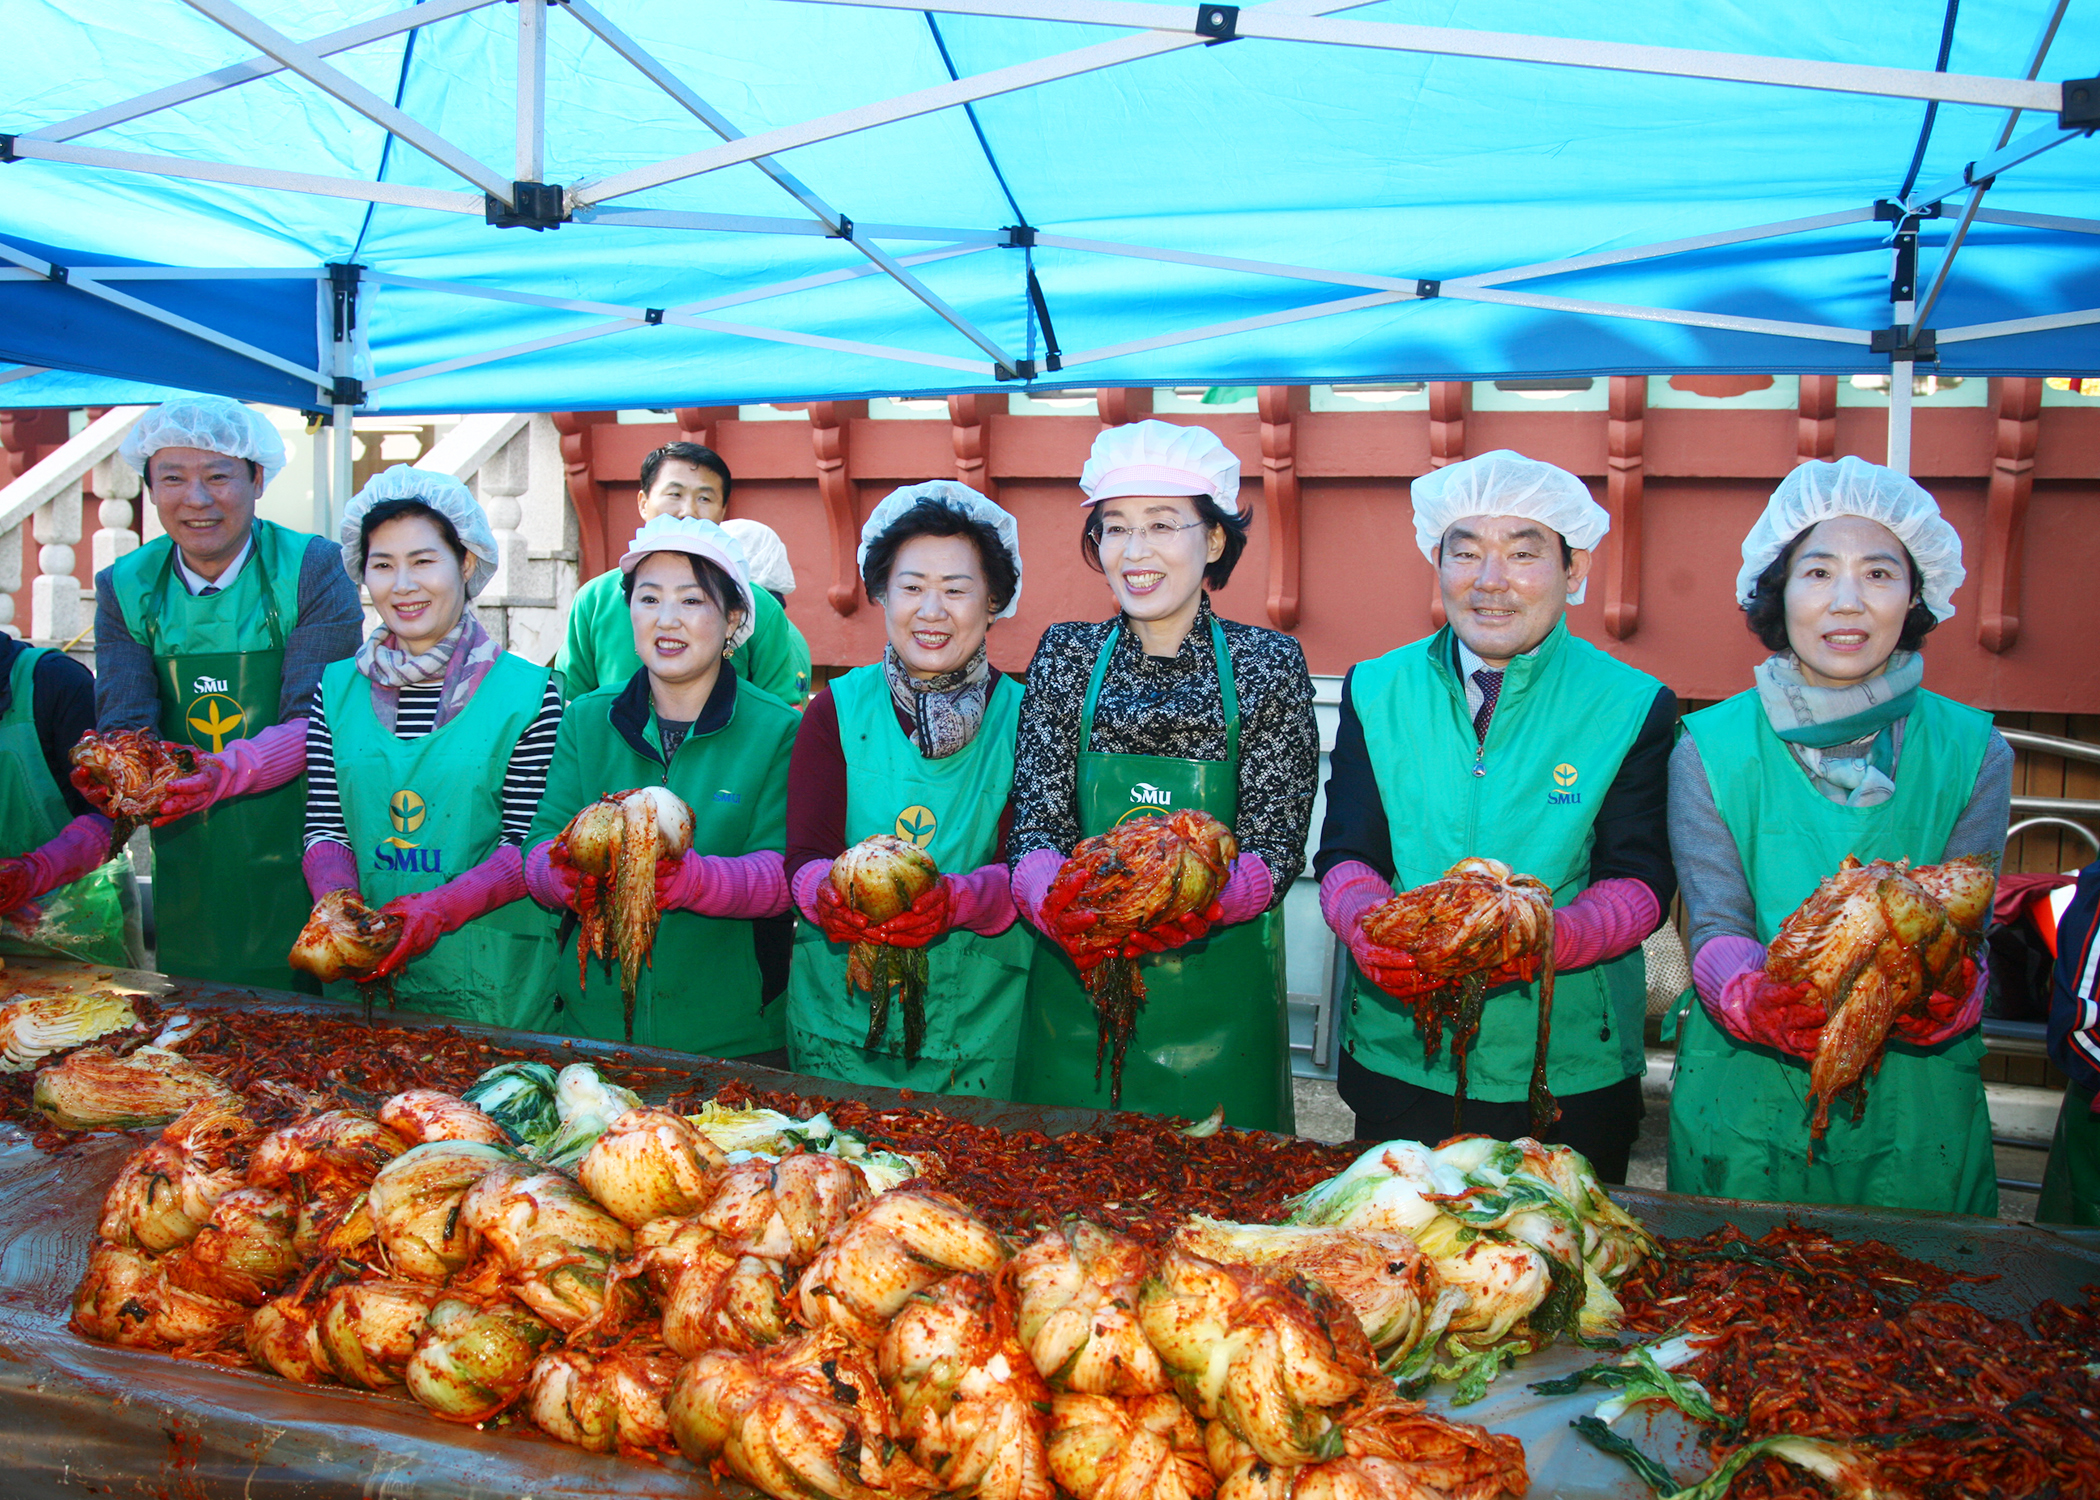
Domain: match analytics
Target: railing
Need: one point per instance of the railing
(51, 498)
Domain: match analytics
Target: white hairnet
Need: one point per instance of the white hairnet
(1161, 458)
(765, 552)
(443, 494)
(217, 424)
(1503, 483)
(956, 497)
(1817, 491)
(698, 538)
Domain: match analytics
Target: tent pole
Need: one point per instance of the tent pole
(345, 455)
(532, 89)
(324, 510)
(1900, 371)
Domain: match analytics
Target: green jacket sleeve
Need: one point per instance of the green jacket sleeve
(576, 664)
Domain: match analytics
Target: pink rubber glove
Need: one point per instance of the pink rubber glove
(328, 866)
(743, 886)
(1606, 920)
(82, 846)
(1947, 1015)
(429, 915)
(805, 887)
(1350, 890)
(1033, 874)
(260, 764)
(1729, 974)
(982, 900)
(548, 883)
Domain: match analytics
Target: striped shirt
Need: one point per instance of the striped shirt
(524, 780)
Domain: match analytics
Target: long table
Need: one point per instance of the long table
(77, 1417)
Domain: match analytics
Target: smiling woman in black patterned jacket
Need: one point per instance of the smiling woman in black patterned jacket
(1162, 708)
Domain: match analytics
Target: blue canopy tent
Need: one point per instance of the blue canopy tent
(467, 205)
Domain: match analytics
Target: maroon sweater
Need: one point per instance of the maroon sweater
(816, 800)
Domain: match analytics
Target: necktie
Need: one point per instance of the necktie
(207, 591)
(1490, 690)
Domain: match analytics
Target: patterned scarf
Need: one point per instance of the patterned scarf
(461, 659)
(944, 711)
(1846, 738)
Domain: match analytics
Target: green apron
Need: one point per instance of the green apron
(86, 918)
(498, 970)
(1213, 1028)
(1739, 1114)
(228, 896)
(976, 986)
(2071, 1182)
(701, 991)
(1567, 716)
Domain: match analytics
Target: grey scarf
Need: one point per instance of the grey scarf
(944, 711)
(459, 661)
(1846, 739)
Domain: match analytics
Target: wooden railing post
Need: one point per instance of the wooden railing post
(1817, 434)
(969, 427)
(2005, 514)
(1448, 401)
(1279, 492)
(830, 432)
(1623, 492)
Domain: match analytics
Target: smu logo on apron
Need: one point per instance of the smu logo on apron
(406, 811)
(213, 716)
(917, 824)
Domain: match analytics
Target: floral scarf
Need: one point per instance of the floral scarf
(1847, 738)
(460, 660)
(944, 711)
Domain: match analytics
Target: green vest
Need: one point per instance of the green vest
(700, 992)
(599, 649)
(84, 918)
(1566, 717)
(228, 897)
(424, 811)
(976, 985)
(1739, 1114)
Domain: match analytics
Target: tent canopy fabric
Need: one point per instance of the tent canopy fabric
(775, 200)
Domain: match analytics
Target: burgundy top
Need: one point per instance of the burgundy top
(816, 801)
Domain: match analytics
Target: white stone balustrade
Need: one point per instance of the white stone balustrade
(10, 578)
(55, 609)
(118, 486)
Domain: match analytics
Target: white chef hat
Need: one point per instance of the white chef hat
(217, 424)
(1161, 458)
(765, 552)
(699, 539)
(1818, 491)
(443, 494)
(1504, 483)
(957, 497)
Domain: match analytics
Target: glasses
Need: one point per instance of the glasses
(1156, 532)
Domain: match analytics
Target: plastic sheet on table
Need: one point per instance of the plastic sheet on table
(75, 1414)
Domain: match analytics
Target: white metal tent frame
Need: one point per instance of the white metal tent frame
(524, 199)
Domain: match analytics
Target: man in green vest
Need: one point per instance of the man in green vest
(691, 482)
(214, 636)
(1503, 735)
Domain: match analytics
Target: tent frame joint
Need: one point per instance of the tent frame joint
(1424, 290)
(1903, 343)
(7, 149)
(1020, 369)
(2081, 108)
(652, 316)
(534, 205)
(1218, 23)
(1889, 211)
(844, 230)
(1018, 236)
(346, 391)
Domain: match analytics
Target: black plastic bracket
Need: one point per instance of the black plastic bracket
(342, 281)
(1427, 289)
(2081, 109)
(533, 205)
(844, 231)
(1021, 369)
(7, 149)
(1220, 23)
(1019, 237)
(652, 316)
(1889, 211)
(58, 273)
(1903, 278)
(1918, 345)
(348, 390)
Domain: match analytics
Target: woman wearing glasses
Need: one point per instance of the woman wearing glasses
(1163, 708)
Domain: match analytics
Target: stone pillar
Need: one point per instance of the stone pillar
(54, 596)
(10, 579)
(119, 486)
